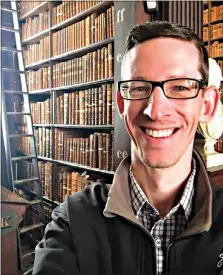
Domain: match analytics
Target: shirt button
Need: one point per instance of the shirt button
(158, 242)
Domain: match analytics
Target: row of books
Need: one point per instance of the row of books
(44, 139)
(67, 181)
(23, 146)
(45, 173)
(68, 9)
(37, 52)
(48, 209)
(31, 216)
(40, 79)
(41, 111)
(90, 67)
(216, 14)
(216, 31)
(94, 28)
(216, 49)
(93, 106)
(34, 25)
(24, 7)
(95, 151)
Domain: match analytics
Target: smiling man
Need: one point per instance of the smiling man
(161, 215)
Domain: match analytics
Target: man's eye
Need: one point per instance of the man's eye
(139, 89)
(180, 88)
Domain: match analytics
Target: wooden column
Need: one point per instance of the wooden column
(127, 15)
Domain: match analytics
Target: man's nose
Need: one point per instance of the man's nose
(158, 105)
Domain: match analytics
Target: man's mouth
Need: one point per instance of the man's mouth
(159, 133)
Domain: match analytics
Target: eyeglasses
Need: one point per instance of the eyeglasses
(179, 88)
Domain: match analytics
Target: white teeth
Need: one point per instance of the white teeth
(159, 133)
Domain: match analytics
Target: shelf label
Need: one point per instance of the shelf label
(120, 15)
(122, 154)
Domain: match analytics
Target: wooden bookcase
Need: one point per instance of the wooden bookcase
(51, 92)
(213, 39)
(46, 92)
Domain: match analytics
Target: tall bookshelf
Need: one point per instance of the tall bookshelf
(213, 39)
(69, 58)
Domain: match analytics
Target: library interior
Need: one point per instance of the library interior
(61, 128)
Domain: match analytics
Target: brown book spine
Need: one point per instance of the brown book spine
(64, 185)
(110, 60)
(69, 184)
(109, 104)
(82, 106)
(100, 151)
(104, 105)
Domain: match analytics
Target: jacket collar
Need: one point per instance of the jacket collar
(119, 199)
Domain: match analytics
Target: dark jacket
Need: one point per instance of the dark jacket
(96, 233)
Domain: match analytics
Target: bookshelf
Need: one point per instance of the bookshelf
(213, 39)
(69, 55)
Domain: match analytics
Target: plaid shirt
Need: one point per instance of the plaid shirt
(163, 230)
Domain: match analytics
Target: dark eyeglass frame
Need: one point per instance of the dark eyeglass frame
(160, 84)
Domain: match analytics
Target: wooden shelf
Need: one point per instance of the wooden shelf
(217, 21)
(36, 38)
(84, 85)
(44, 158)
(216, 39)
(42, 125)
(88, 168)
(43, 91)
(81, 51)
(87, 127)
(76, 165)
(37, 10)
(38, 64)
(97, 8)
(217, 57)
(49, 200)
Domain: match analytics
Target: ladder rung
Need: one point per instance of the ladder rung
(25, 180)
(13, 71)
(20, 135)
(17, 113)
(27, 228)
(34, 202)
(7, 9)
(8, 49)
(15, 92)
(9, 29)
(22, 158)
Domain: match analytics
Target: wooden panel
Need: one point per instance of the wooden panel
(188, 13)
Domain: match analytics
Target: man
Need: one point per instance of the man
(161, 215)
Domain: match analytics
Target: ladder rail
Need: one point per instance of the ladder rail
(25, 88)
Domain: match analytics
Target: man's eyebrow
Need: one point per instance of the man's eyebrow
(139, 78)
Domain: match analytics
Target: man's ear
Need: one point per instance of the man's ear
(211, 98)
(120, 103)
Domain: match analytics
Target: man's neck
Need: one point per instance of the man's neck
(162, 187)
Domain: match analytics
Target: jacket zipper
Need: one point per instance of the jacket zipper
(171, 244)
(151, 238)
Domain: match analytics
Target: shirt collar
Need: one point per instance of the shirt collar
(139, 198)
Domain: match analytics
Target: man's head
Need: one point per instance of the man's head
(162, 118)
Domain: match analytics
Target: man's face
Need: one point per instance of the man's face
(149, 119)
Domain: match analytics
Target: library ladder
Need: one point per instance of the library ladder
(17, 132)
